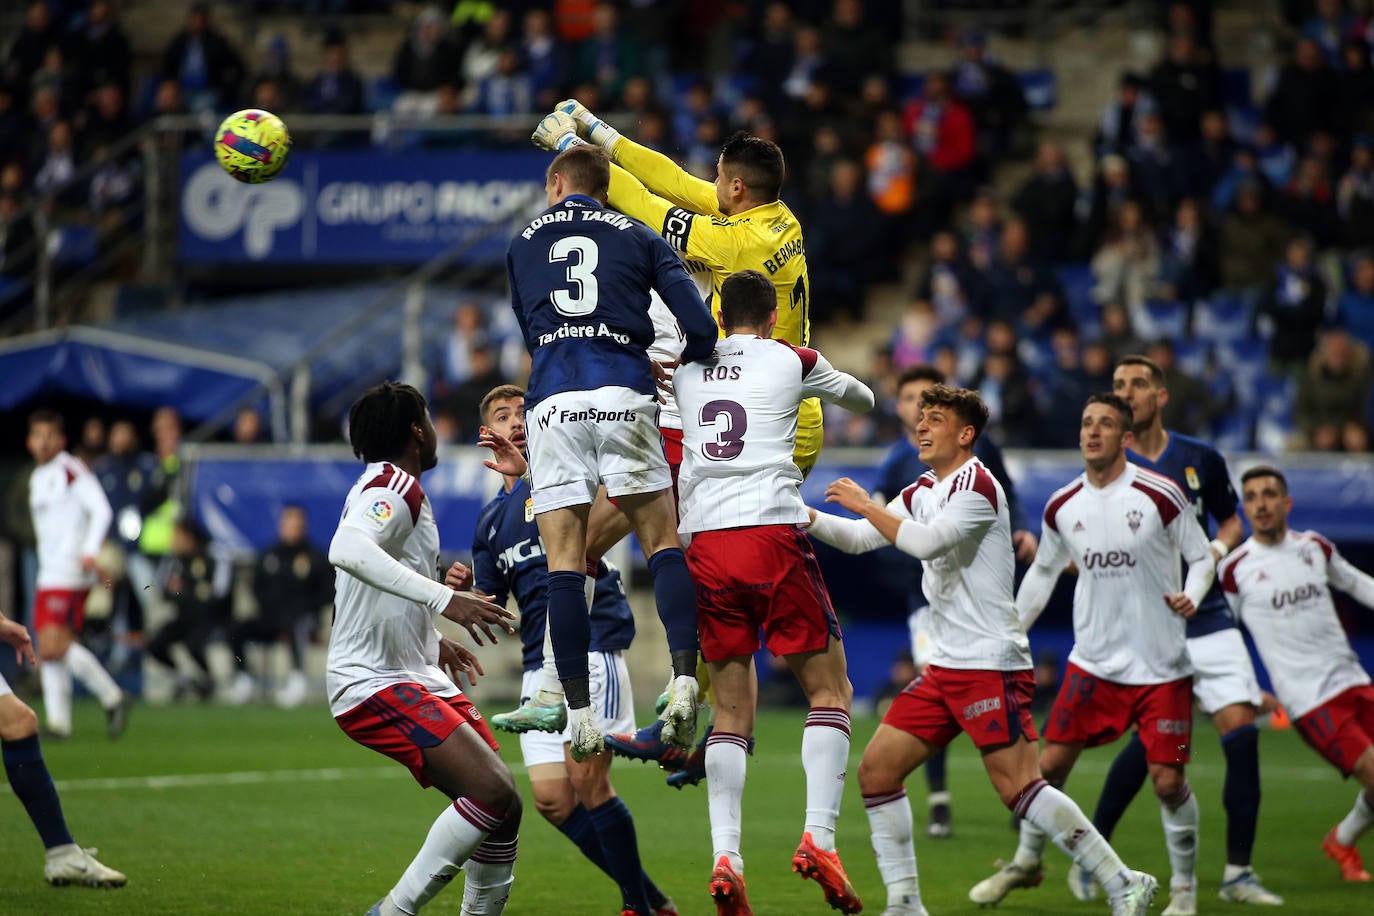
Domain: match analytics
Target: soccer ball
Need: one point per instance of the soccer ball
(252, 145)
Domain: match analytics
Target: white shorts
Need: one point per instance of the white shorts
(1222, 671)
(612, 699)
(579, 439)
(918, 622)
(5, 686)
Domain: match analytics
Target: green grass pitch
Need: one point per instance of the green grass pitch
(264, 811)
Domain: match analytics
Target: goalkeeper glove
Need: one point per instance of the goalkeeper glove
(556, 132)
(589, 125)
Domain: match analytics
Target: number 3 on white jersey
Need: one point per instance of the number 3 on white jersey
(581, 300)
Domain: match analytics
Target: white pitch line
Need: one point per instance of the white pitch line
(236, 778)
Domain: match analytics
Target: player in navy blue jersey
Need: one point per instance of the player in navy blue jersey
(508, 561)
(901, 466)
(1224, 683)
(580, 278)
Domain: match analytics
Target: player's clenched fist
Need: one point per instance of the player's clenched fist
(556, 132)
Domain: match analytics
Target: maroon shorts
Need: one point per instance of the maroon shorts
(402, 720)
(59, 607)
(1342, 728)
(763, 576)
(992, 706)
(1092, 712)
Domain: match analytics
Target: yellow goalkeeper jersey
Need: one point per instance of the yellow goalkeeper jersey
(768, 238)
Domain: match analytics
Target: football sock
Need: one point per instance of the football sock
(889, 825)
(456, 833)
(727, 757)
(615, 826)
(935, 772)
(1053, 814)
(57, 695)
(1127, 774)
(825, 757)
(579, 828)
(1180, 817)
(1240, 793)
(547, 686)
(32, 784)
(676, 598)
(1357, 821)
(487, 878)
(88, 671)
(570, 630)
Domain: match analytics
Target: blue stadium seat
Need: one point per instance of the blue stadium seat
(1163, 320)
(1077, 280)
(1221, 318)
(1234, 432)
(1040, 88)
(1192, 355)
(381, 93)
(1274, 396)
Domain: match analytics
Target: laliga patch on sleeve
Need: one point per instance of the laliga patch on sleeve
(379, 513)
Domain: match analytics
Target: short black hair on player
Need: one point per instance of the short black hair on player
(747, 298)
(1264, 470)
(922, 372)
(1136, 359)
(1119, 404)
(379, 422)
(586, 169)
(758, 161)
(499, 393)
(48, 416)
(966, 402)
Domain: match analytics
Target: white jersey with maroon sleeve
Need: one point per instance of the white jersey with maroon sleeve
(973, 622)
(1126, 538)
(1282, 593)
(379, 638)
(71, 516)
(669, 339)
(739, 427)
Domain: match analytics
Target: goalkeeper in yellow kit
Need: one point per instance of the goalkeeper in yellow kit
(735, 224)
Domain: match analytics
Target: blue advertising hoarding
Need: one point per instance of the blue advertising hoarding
(359, 206)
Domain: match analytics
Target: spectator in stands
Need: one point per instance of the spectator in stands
(1017, 285)
(57, 166)
(37, 34)
(507, 91)
(610, 56)
(1189, 258)
(1274, 156)
(1333, 395)
(482, 53)
(54, 74)
(91, 446)
(1294, 307)
(126, 472)
(1252, 239)
(950, 283)
(1302, 100)
(106, 121)
(808, 64)
(168, 101)
(854, 48)
(1355, 196)
(275, 67)
(464, 399)
(1113, 186)
(17, 242)
(1328, 26)
(114, 185)
(1158, 167)
(1118, 131)
(1126, 268)
(1191, 409)
(336, 89)
(817, 166)
(1062, 398)
(427, 59)
(1355, 311)
(292, 582)
(1118, 334)
(696, 105)
(891, 167)
(1355, 89)
(914, 337)
(543, 58)
(189, 585)
(1047, 202)
(943, 133)
(1006, 388)
(841, 245)
(247, 427)
(161, 502)
(992, 94)
(203, 61)
(13, 126)
(1244, 168)
(103, 48)
(1184, 85)
(1307, 202)
(770, 54)
(1213, 155)
(981, 230)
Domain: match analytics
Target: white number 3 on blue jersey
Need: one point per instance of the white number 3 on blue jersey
(581, 299)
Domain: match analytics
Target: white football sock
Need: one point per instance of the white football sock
(548, 689)
(57, 695)
(727, 758)
(1356, 822)
(488, 877)
(889, 825)
(88, 671)
(1053, 814)
(825, 757)
(1180, 836)
(458, 831)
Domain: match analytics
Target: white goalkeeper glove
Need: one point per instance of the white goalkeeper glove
(556, 132)
(589, 125)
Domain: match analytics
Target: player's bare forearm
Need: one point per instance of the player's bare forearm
(663, 177)
(1231, 532)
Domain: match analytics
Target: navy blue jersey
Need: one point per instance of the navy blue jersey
(1201, 473)
(508, 559)
(580, 277)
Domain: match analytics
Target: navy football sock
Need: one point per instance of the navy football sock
(616, 828)
(571, 631)
(935, 770)
(580, 829)
(1128, 773)
(1240, 792)
(676, 598)
(31, 782)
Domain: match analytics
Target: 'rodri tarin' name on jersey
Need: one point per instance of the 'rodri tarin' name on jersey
(580, 277)
(508, 559)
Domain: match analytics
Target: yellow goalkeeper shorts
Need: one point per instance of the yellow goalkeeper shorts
(810, 434)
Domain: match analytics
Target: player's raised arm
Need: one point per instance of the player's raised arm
(824, 381)
(1345, 576)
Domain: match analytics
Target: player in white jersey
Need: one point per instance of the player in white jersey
(742, 517)
(387, 683)
(954, 518)
(71, 517)
(1125, 528)
(67, 863)
(1279, 584)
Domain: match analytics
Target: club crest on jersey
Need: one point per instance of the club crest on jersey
(529, 509)
(379, 513)
(1133, 520)
(1305, 554)
(1190, 475)
(1078, 526)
